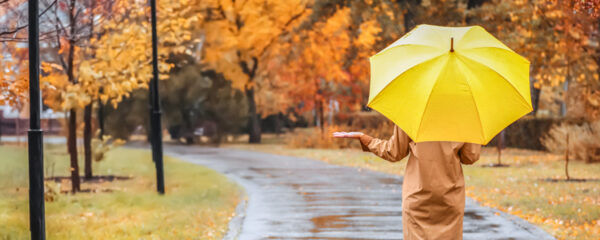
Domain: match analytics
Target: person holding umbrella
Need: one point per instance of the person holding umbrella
(448, 90)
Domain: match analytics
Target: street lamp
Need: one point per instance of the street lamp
(155, 126)
(37, 218)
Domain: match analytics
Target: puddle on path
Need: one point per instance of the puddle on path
(338, 221)
(390, 181)
(473, 215)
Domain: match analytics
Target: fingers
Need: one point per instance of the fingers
(339, 134)
(347, 134)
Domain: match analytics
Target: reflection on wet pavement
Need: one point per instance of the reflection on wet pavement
(473, 215)
(294, 198)
(338, 205)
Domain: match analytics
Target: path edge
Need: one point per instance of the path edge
(234, 228)
(522, 223)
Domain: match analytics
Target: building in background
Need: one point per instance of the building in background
(15, 122)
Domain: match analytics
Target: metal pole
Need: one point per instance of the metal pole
(155, 125)
(37, 221)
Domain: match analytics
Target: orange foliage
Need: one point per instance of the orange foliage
(327, 62)
(13, 77)
(237, 36)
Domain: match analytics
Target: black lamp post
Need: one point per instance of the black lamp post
(155, 125)
(37, 219)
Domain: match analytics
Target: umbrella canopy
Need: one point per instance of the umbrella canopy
(450, 84)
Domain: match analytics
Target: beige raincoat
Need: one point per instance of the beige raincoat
(433, 191)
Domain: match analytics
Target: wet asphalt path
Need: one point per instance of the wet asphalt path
(295, 198)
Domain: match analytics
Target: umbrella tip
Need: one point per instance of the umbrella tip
(451, 44)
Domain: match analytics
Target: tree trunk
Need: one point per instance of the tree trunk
(500, 145)
(567, 158)
(100, 118)
(72, 148)
(315, 112)
(475, 3)
(535, 95)
(535, 99)
(278, 123)
(409, 22)
(18, 130)
(72, 135)
(253, 119)
(322, 117)
(87, 140)
(563, 104)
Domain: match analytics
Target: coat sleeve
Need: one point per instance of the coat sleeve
(393, 149)
(469, 153)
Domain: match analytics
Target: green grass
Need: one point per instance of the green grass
(567, 210)
(198, 204)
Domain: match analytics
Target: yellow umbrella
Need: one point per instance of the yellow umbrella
(450, 84)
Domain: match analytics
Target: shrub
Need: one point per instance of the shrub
(101, 147)
(583, 142)
(129, 116)
(527, 132)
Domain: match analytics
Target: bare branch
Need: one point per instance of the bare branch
(56, 26)
(19, 28)
(13, 31)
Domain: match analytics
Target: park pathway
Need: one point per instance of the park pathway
(295, 198)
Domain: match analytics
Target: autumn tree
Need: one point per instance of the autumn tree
(315, 70)
(122, 56)
(61, 76)
(121, 53)
(61, 29)
(96, 50)
(237, 35)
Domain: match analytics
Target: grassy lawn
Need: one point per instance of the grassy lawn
(567, 210)
(198, 204)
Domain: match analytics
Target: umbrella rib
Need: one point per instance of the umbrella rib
(499, 74)
(427, 104)
(499, 48)
(503, 46)
(403, 45)
(476, 106)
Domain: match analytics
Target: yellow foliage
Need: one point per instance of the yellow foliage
(118, 61)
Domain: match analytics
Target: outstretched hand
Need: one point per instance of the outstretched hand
(355, 135)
